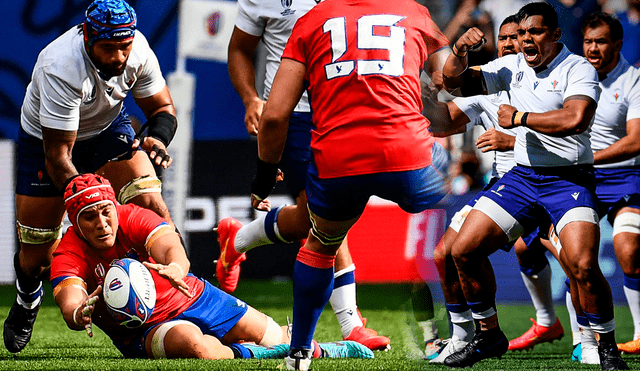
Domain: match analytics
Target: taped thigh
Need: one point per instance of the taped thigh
(157, 342)
(272, 335)
(626, 222)
(459, 218)
(38, 236)
(325, 238)
(139, 186)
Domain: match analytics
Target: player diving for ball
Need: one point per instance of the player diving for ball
(191, 318)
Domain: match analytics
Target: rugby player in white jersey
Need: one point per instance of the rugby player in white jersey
(272, 22)
(553, 95)
(73, 121)
(615, 141)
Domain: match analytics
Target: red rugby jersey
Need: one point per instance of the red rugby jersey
(74, 258)
(363, 61)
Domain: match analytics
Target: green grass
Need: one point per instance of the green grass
(55, 347)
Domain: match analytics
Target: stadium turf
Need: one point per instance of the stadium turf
(55, 347)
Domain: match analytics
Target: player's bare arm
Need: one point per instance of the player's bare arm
(286, 91)
(624, 149)
(172, 262)
(75, 304)
(495, 140)
(458, 78)
(160, 111)
(573, 118)
(288, 87)
(242, 48)
(58, 145)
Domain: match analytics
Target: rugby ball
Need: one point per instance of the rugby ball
(129, 292)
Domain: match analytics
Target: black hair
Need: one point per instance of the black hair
(546, 10)
(510, 19)
(597, 19)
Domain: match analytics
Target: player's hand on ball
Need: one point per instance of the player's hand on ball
(82, 314)
(505, 116)
(173, 273)
(156, 150)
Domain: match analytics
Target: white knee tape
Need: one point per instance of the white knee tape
(626, 222)
(459, 218)
(272, 335)
(157, 342)
(38, 236)
(555, 241)
(139, 186)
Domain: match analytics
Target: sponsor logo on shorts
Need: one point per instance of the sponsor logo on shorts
(575, 195)
(497, 191)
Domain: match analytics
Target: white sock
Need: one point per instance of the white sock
(575, 327)
(463, 326)
(539, 287)
(588, 337)
(343, 302)
(429, 329)
(252, 235)
(633, 298)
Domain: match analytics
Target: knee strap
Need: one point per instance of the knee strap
(626, 222)
(138, 186)
(37, 236)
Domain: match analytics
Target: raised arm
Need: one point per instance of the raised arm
(242, 48)
(458, 78)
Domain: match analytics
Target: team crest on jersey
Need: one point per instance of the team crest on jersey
(99, 271)
(213, 23)
(616, 96)
(286, 4)
(519, 77)
(553, 89)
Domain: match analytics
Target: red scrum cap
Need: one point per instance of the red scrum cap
(84, 191)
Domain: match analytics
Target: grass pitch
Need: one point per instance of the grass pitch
(55, 347)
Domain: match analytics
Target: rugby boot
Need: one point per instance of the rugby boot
(485, 344)
(537, 334)
(18, 326)
(228, 265)
(630, 347)
(453, 345)
(369, 338)
(610, 358)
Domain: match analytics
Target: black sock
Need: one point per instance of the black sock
(28, 285)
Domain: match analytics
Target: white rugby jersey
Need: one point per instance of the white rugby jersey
(483, 110)
(567, 75)
(274, 21)
(66, 92)
(619, 103)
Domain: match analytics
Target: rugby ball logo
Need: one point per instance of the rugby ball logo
(129, 292)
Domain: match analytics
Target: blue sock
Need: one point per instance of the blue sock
(239, 351)
(312, 286)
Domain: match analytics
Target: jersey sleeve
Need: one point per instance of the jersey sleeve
(142, 224)
(497, 75)
(59, 102)
(582, 80)
(150, 80)
(435, 39)
(633, 112)
(295, 48)
(248, 18)
(67, 263)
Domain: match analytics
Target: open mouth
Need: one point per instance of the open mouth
(104, 237)
(530, 54)
(593, 59)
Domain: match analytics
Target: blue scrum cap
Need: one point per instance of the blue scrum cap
(109, 20)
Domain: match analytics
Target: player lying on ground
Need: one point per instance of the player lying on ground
(191, 318)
